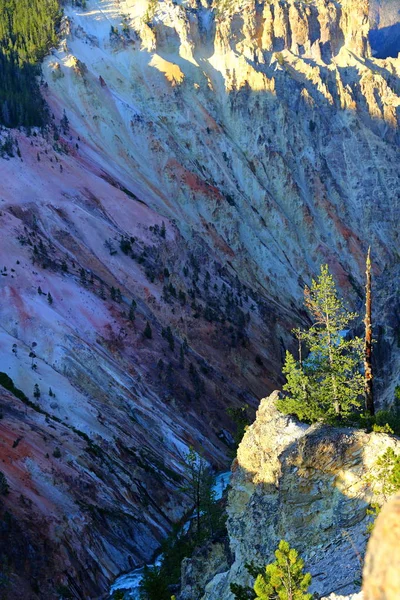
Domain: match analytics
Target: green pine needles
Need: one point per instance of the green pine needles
(387, 474)
(284, 579)
(328, 383)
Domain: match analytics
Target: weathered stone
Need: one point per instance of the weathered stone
(198, 570)
(306, 485)
(382, 566)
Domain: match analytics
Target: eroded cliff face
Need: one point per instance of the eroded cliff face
(306, 485)
(265, 138)
(72, 517)
(268, 130)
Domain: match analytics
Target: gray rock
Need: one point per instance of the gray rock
(306, 485)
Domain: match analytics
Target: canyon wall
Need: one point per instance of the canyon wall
(202, 161)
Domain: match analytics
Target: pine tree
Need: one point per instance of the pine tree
(49, 298)
(386, 473)
(64, 123)
(385, 476)
(181, 357)
(284, 579)
(36, 391)
(132, 309)
(328, 383)
(167, 334)
(4, 487)
(147, 331)
(200, 489)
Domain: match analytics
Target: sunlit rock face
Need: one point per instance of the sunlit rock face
(306, 485)
(382, 573)
(266, 132)
(265, 138)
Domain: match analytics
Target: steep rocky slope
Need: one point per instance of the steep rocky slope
(307, 485)
(265, 138)
(267, 131)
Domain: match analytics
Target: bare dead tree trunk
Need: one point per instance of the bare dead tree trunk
(299, 334)
(368, 384)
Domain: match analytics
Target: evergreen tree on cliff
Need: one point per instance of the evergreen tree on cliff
(284, 579)
(328, 384)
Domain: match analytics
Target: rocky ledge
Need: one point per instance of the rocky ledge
(308, 485)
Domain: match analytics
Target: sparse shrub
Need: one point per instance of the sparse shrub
(388, 420)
